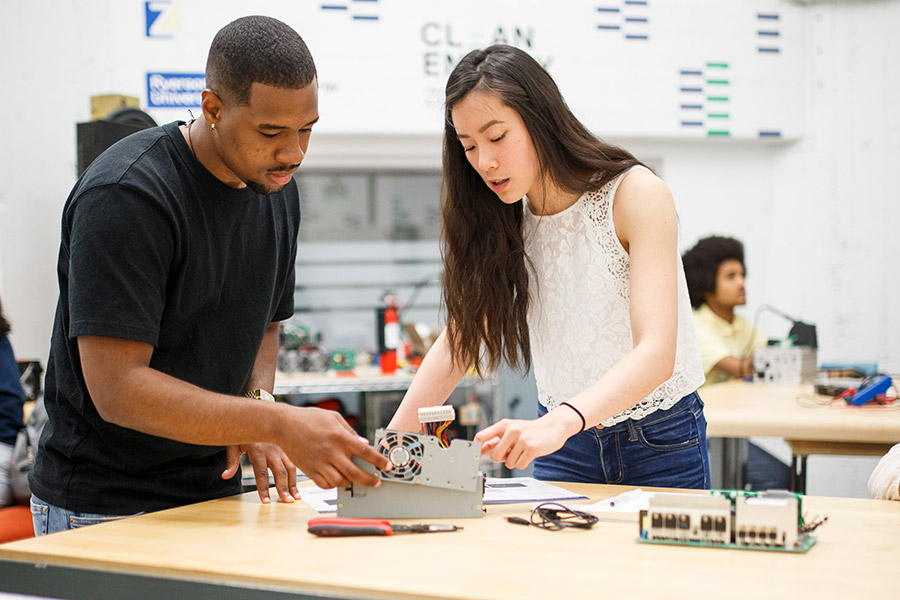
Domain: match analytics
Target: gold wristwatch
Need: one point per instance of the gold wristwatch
(260, 394)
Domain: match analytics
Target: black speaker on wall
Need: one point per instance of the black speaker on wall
(96, 136)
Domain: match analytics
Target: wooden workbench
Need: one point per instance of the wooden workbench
(238, 548)
(737, 409)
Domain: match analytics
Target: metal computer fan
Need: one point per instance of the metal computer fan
(405, 453)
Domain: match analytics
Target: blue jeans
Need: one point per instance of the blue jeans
(765, 472)
(667, 448)
(50, 519)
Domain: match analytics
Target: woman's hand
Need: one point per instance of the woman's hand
(517, 442)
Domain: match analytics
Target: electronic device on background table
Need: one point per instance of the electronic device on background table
(869, 389)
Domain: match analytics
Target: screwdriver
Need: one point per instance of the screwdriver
(346, 526)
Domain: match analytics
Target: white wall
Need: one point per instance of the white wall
(817, 212)
(820, 222)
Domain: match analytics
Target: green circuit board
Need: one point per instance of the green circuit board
(803, 545)
(770, 521)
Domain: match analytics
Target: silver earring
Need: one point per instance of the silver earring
(213, 126)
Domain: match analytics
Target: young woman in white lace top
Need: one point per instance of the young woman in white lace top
(560, 252)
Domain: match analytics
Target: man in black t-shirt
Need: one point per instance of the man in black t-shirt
(176, 265)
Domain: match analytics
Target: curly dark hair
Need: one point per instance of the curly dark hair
(257, 49)
(701, 265)
(485, 281)
(4, 324)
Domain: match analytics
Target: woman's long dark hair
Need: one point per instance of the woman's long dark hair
(4, 324)
(485, 281)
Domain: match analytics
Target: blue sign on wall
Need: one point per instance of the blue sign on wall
(175, 90)
(162, 18)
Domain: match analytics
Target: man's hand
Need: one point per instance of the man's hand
(320, 442)
(265, 458)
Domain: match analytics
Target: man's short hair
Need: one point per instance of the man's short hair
(701, 265)
(257, 49)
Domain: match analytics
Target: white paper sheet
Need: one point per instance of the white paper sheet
(512, 490)
(322, 500)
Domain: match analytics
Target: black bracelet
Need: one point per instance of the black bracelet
(577, 412)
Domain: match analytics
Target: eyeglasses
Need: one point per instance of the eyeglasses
(554, 516)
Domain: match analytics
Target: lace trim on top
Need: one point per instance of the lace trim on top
(579, 316)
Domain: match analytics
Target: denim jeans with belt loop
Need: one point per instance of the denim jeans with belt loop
(667, 448)
(50, 519)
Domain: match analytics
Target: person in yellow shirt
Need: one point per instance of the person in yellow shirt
(714, 269)
(715, 274)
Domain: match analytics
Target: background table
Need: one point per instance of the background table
(238, 548)
(737, 410)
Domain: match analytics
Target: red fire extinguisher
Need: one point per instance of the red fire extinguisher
(389, 335)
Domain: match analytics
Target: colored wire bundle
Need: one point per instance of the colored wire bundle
(439, 430)
(434, 420)
(810, 526)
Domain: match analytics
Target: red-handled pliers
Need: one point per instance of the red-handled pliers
(344, 526)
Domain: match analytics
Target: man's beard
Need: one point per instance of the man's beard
(262, 189)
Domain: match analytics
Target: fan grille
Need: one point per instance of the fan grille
(405, 452)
